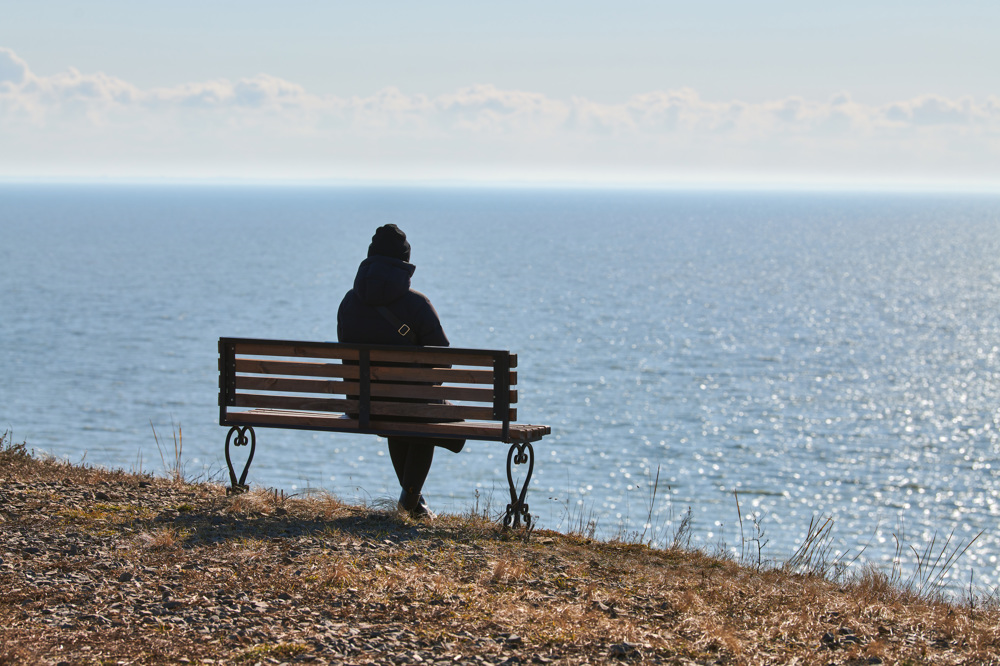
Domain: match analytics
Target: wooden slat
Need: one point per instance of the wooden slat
(436, 375)
(443, 412)
(526, 432)
(268, 417)
(518, 432)
(296, 385)
(394, 409)
(296, 368)
(296, 402)
(298, 351)
(462, 393)
(324, 386)
(307, 369)
(490, 431)
(406, 355)
(271, 383)
(429, 356)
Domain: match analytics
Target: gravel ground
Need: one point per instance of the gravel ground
(103, 567)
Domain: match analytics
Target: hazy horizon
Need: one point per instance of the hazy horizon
(653, 94)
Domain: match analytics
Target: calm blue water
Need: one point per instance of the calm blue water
(821, 355)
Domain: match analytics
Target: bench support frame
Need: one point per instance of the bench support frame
(518, 454)
(518, 508)
(240, 486)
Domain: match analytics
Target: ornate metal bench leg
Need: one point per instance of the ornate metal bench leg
(517, 509)
(240, 486)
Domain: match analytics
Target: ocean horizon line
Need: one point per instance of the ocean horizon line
(611, 185)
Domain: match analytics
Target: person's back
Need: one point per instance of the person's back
(384, 281)
(382, 308)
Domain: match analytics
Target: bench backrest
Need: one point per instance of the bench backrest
(369, 384)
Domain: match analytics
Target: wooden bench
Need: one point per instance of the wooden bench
(377, 390)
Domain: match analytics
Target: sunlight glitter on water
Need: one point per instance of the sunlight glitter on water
(816, 355)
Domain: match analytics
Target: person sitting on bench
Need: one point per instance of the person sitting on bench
(382, 309)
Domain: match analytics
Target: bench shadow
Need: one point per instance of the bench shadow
(196, 528)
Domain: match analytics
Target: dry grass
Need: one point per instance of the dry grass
(263, 578)
(163, 538)
(174, 468)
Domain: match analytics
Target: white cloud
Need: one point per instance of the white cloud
(13, 70)
(936, 110)
(485, 108)
(73, 117)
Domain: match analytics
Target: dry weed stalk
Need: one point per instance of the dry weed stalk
(506, 571)
(257, 501)
(932, 568)
(175, 469)
(164, 538)
(813, 556)
(748, 544)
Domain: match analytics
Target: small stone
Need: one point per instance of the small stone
(625, 651)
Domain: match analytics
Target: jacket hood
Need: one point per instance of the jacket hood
(382, 280)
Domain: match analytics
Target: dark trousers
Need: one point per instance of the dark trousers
(411, 458)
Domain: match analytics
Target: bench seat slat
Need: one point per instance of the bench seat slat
(518, 432)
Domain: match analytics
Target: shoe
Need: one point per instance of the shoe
(417, 508)
(421, 510)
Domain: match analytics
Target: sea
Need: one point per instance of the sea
(754, 373)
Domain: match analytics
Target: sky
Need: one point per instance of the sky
(875, 94)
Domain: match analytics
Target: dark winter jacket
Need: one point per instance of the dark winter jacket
(386, 281)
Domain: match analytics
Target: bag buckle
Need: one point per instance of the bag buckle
(404, 330)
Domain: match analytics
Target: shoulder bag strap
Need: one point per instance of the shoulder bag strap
(401, 328)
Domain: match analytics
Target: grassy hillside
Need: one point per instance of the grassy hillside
(107, 567)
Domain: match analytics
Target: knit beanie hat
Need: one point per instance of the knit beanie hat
(390, 241)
